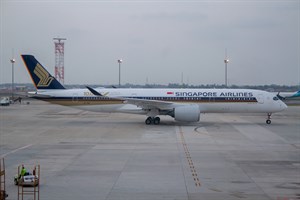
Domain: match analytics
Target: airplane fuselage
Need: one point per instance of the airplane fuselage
(181, 104)
(209, 100)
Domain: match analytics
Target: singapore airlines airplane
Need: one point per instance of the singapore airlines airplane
(182, 104)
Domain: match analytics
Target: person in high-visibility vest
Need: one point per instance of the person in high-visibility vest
(23, 171)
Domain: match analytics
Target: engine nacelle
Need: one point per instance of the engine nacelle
(187, 113)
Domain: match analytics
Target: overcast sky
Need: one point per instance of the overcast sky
(157, 40)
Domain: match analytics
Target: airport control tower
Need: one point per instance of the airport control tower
(59, 59)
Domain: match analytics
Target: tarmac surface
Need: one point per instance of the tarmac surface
(85, 155)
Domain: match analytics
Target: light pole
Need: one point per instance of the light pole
(120, 61)
(13, 60)
(226, 61)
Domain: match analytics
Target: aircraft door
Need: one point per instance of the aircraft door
(75, 97)
(260, 99)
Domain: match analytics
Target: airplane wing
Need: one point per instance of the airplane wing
(143, 103)
(149, 104)
(36, 94)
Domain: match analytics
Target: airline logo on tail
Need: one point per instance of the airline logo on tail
(45, 78)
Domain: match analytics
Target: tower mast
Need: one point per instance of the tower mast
(59, 59)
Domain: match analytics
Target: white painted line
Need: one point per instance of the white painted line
(14, 151)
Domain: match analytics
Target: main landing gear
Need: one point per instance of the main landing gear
(152, 120)
(268, 121)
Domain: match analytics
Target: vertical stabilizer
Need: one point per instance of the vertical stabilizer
(41, 78)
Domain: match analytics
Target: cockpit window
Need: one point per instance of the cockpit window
(275, 98)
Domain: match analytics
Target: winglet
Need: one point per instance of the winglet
(94, 92)
(41, 78)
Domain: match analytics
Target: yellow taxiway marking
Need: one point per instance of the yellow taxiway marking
(189, 159)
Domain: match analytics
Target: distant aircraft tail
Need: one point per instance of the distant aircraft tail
(296, 94)
(289, 96)
(41, 78)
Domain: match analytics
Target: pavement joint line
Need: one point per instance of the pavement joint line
(14, 151)
(295, 145)
(189, 159)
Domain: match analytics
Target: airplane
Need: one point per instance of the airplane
(184, 105)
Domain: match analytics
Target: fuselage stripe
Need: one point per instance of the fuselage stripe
(107, 100)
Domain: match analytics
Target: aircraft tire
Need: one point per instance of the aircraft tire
(148, 121)
(156, 120)
(268, 121)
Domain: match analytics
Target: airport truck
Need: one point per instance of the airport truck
(4, 101)
(27, 180)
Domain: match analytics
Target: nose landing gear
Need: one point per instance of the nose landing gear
(268, 121)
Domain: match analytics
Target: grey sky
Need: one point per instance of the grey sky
(158, 40)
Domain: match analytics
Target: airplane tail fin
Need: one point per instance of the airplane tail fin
(296, 94)
(41, 78)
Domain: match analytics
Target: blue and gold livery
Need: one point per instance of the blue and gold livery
(41, 78)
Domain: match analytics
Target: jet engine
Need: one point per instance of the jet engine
(187, 113)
